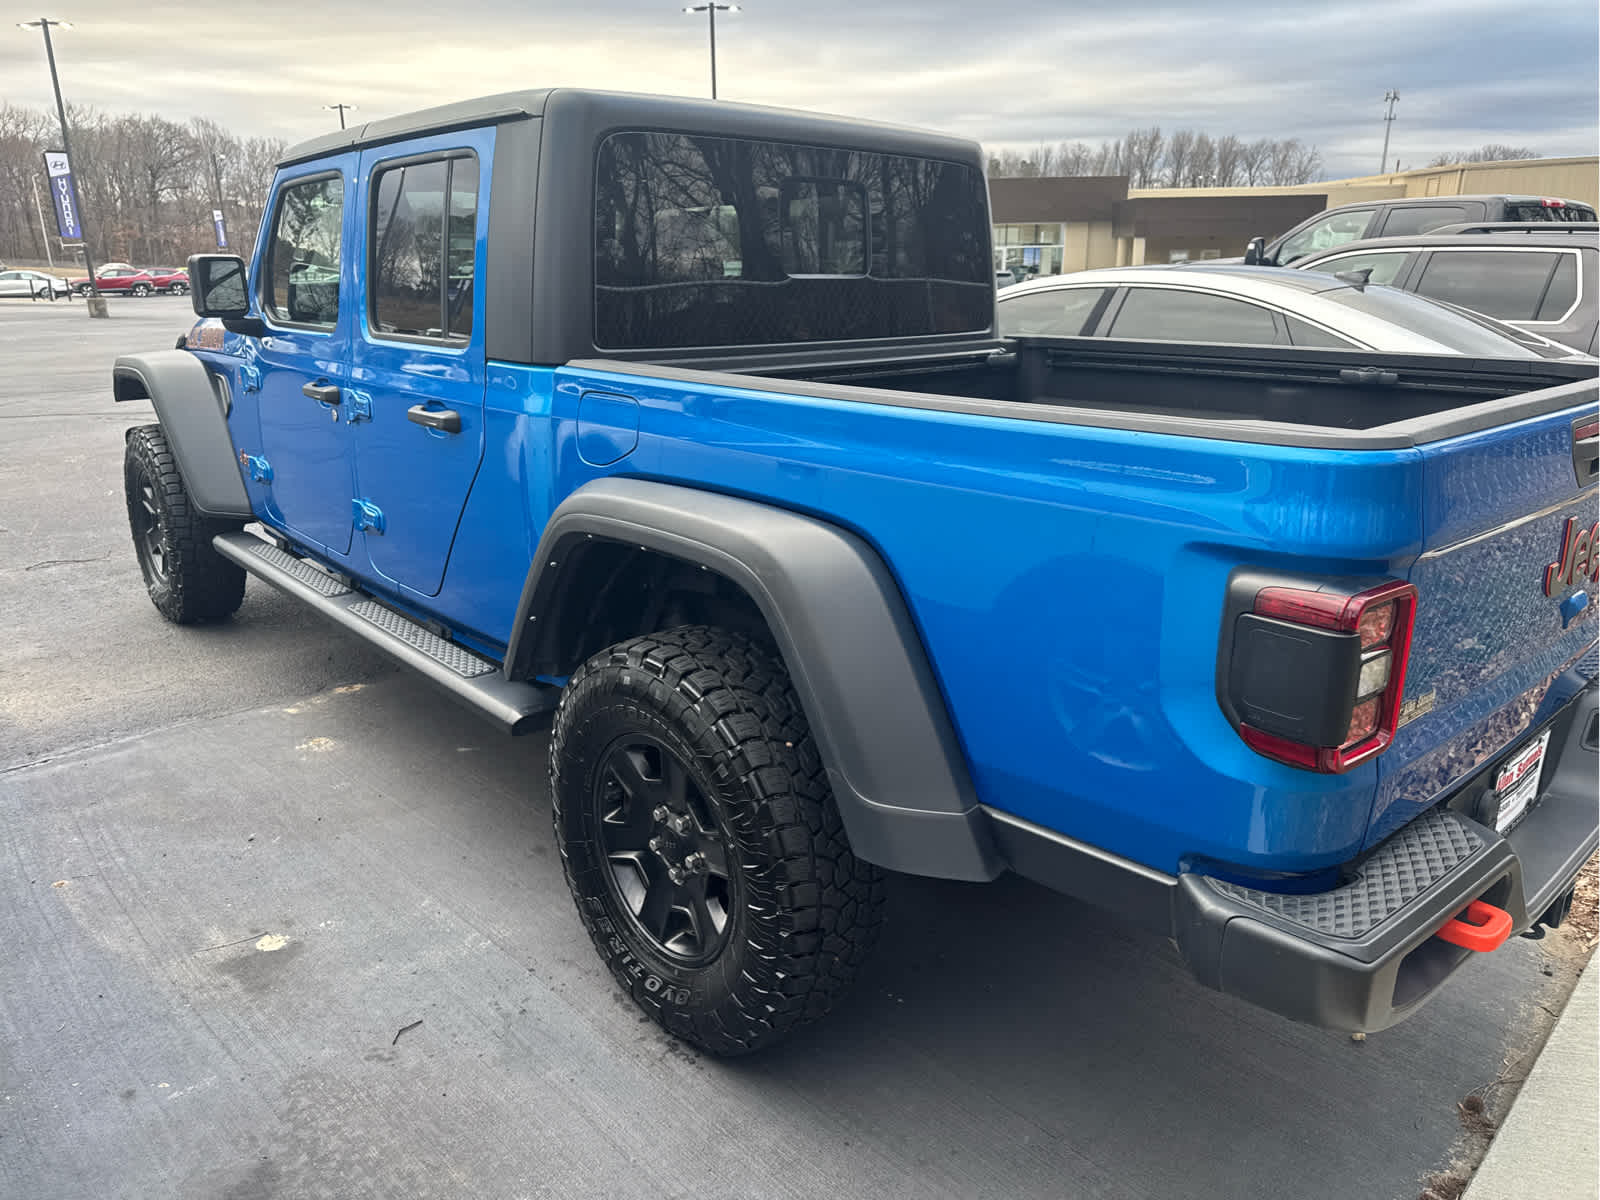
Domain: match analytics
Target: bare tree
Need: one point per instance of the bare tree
(1492, 152)
(1186, 158)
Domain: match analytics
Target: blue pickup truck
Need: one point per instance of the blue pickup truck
(685, 429)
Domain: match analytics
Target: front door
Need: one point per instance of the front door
(302, 358)
(417, 364)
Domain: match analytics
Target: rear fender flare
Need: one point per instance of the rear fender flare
(853, 652)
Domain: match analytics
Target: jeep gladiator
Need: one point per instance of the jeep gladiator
(685, 428)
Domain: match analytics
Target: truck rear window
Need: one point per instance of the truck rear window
(710, 241)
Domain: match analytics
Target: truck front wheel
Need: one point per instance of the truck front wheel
(701, 841)
(188, 581)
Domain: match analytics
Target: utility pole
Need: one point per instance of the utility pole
(96, 302)
(1389, 98)
(341, 109)
(711, 9)
(44, 230)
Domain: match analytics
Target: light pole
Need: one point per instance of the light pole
(1389, 98)
(341, 109)
(711, 10)
(96, 302)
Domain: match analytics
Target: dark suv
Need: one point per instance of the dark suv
(1542, 278)
(1407, 218)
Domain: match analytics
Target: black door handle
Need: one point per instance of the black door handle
(447, 419)
(322, 393)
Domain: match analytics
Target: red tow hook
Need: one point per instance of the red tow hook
(1485, 928)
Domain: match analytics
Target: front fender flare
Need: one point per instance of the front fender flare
(853, 652)
(187, 405)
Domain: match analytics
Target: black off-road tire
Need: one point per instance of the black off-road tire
(802, 912)
(189, 582)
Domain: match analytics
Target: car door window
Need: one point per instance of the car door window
(1419, 218)
(1057, 312)
(1171, 315)
(303, 271)
(424, 247)
(1334, 229)
(1384, 265)
(1507, 284)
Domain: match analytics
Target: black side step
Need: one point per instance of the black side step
(479, 682)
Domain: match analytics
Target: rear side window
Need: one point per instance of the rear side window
(710, 241)
(1563, 291)
(1169, 315)
(1060, 312)
(1304, 333)
(423, 250)
(304, 272)
(1510, 285)
(1403, 222)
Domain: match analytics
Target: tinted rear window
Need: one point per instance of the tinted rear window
(1457, 331)
(706, 241)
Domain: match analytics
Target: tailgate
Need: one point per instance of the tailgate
(1507, 511)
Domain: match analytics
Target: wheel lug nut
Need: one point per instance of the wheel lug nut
(661, 813)
(674, 874)
(695, 863)
(656, 843)
(679, 825)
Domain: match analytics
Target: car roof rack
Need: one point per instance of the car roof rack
(1519, 227)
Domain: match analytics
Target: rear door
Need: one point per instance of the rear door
(305, 289)
(417, 367)
(1506, 598)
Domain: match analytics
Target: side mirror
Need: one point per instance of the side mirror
(1256, 252)
(219, 285)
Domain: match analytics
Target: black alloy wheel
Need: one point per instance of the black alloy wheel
(666, 854)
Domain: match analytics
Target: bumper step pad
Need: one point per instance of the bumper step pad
(1395, 874)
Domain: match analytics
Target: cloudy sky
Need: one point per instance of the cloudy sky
(1011, 73)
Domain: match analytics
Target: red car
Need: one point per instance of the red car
(121, 279)
(173, 280)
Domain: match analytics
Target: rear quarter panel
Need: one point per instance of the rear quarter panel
(1068, 584)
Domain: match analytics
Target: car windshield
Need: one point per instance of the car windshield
(1461, 332)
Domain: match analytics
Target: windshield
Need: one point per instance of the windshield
(1463, 333)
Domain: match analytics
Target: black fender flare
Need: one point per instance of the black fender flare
(853, 652)
(190, 409)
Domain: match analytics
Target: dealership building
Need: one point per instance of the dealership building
(1050, 226)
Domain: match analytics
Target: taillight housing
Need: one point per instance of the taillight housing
(1311, 672)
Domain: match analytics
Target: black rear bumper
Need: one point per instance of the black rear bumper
(1363, 955)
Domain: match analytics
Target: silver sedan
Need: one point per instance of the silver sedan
(33, 283)
(1255, 306)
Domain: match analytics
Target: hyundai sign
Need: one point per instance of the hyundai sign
(61, 191)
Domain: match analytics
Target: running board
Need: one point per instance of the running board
(477, 681)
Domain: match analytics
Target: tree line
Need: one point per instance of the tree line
(146, 185)
(1153, 159)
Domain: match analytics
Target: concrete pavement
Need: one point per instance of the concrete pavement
(1548, 1147)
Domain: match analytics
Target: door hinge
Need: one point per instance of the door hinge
(367, 515)
(358, 406)
(256, 466)
(250, 378)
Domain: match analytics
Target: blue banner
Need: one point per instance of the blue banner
(59, 172)
(222, 230)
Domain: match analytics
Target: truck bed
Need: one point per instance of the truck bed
(1281, 395)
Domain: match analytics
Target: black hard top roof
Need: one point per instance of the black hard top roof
(520, 106)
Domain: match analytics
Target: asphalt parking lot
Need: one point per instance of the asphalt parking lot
(283, 922)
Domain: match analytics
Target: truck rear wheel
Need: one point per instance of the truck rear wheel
(701, 841)
(189, 582)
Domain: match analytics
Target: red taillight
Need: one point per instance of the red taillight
(1587, 430)
(1552, 204)
(1381, 620)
